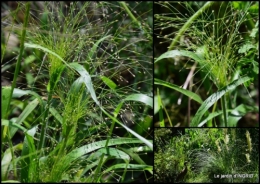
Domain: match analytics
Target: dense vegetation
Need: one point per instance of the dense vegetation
(76, 91)
(214, 155)
(206, 65)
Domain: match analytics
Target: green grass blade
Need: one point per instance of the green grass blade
(214, 98)
(108, 82)
(86, 78)
(115, 153)
(173, 53)
(160, 106)
(133, 155)
(140, 98)
(145, 141)
(130, 166)
(188, 93)
(35, 46)
(55, 78)
(10, 181)
(237, 113)
(12, 124)
(29, 163)
(56, 115)
(93, 50)
(7, 159)
(28, 109)
(5, 97)
(133, 97)
(77, 153)
(21, 52)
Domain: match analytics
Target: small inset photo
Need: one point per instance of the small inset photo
(210, 155)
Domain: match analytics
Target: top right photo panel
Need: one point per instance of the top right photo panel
(206, 64)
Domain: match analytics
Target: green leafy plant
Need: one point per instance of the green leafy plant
(80, 94)
(217, 36)
(213, 154)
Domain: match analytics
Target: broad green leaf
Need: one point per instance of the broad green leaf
(156, 104)
(10, 181)
(188, 93)
(18, 93)
(135, 97)
(214, 98)
(79, 68)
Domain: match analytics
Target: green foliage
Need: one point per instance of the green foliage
(209, 152)
(83, 100)
(221, 38)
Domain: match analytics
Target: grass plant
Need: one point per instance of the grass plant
(80, 94)
(219, 36)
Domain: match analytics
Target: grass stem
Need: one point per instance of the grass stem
(19, 60)
(45, 122)
(188, 23)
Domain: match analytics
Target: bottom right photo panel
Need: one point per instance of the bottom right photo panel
(206, 155)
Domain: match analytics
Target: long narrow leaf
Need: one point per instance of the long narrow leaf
(76, 153)
(28, 109)
(148, 143)
(5, 97)
(161, 118)
(140, 98)
(94, 48)
(214, 98)
(173, 53)
(188, 93)
(86, 79)
(29, 163)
